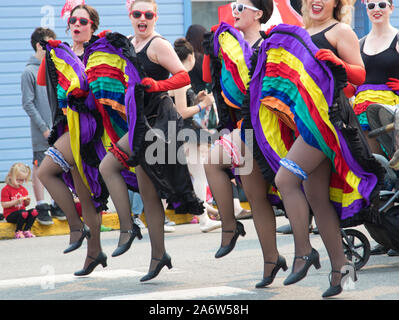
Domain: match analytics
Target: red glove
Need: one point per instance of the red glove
(349, 90)
(178, 80)
(215, 27)
(103, 33)
(270, 29)
(393, 84)
(206, 69)
(356, 74)
(41, 74)
(54, 43)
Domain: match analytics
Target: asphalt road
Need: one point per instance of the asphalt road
(36, 269)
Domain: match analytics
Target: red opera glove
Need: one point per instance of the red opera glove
(178, 80)
(206, 69)
(270, 29)
(356, 74)
(41, 74)
(215, 27)
(349, 90)
(393, 84)
(54, 43)
(103, 33)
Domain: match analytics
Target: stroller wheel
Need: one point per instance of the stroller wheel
(356, 247)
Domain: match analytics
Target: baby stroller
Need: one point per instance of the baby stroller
(384, 123)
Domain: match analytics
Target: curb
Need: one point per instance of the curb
(110, 220)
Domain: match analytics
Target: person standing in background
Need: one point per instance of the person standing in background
(35, 103)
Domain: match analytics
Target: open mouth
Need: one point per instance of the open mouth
(76, 32)
(377, 16)
(316, 9)
(142, 27)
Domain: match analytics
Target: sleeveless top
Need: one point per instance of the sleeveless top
(381, 66)
(155, 71)
(320, 40)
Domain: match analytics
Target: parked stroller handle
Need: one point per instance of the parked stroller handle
(385, 129)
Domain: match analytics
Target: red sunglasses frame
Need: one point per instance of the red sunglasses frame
(79, 19)
(143, 12)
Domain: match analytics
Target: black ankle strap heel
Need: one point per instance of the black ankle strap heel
(239, 231)
(311, 259)
(280, 264)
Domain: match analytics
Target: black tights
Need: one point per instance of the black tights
(110, 169)
(49, 174)
(21, 218)
(316, 188)
(255, 188)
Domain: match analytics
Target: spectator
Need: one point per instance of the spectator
(15, 199)
(137, 207)
(195, 36)
(35, 103)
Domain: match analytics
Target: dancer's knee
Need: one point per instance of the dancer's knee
(289, 176)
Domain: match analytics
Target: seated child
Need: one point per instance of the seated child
(15, 199)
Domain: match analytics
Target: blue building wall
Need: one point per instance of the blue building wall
(18, 19)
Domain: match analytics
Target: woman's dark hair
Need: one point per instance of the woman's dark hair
(195, 35)
(93, 14)
(183, 48)
(266, 6)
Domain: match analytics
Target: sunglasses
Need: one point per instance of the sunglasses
(149, 15)
(240, 7)
(381, 5)
(82, 21)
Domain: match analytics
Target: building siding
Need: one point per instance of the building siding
(18, 20)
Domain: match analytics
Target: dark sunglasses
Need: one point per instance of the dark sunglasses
(82, 21)
(381, 5)
(149, 15)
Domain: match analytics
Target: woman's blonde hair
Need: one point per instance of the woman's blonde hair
(342, 12)
(148, 1)
(16, 168)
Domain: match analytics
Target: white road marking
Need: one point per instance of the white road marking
(184, 294)
(59, 278)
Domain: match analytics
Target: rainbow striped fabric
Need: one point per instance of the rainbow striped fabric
(73, 96)
(367, 94)
(112, 78)
(290, 94)
(234, 54)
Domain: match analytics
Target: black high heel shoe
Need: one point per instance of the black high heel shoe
(164, 261)
(335, 290)
(312, 259)
(101, 259)
(85, 234)
(239, 231)
(280, 264)
(135, 232)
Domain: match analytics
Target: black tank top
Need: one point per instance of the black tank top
(381, 66)
(152, 70)
(155, 71)
(320, 40)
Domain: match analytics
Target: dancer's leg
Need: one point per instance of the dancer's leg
(295, 202)
(255, 188)
(49, 174)
(220, 185)
(90, 217)
(317, 193)
(110, 169)
(154, 216)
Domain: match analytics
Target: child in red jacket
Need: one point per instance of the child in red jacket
(15, 199)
